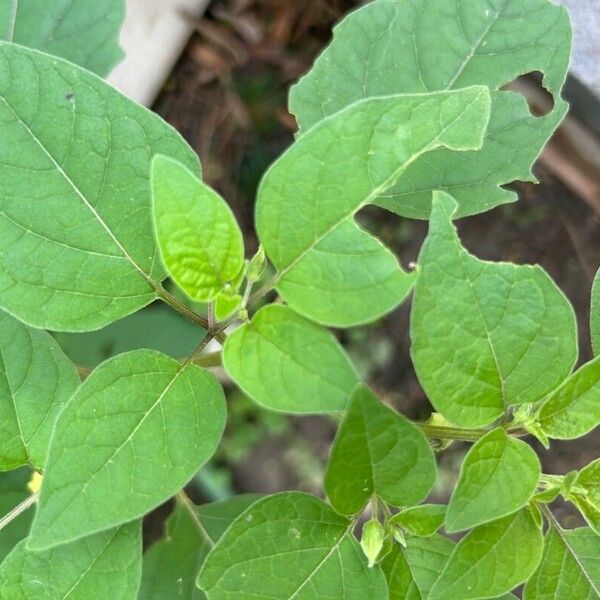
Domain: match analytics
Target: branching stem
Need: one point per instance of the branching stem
(182, 309)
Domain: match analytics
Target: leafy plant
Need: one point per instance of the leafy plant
(101, 201)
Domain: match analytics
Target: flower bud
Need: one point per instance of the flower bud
(371, 540)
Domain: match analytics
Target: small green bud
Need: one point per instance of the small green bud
(567, 483)
(526, 417)
(257, 266)
(399, 536)
(372, 539)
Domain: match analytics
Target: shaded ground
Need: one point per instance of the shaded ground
(228, 97)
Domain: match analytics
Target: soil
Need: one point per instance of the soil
(227, 96)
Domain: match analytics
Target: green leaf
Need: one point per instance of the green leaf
(77, 247)
(199, 239)
(85, 32)
(411, 571)
(573, 410)
(288, 364)
(377, 451)
(509, 334)
(584, 493)
(395, 46)
(349, 278)
(595, 315)
(589, 511)
(570, 567)
(36, 381)
(308, 197)
(423, 520)
(290, 546)
(133, 435)
(497, 477)
(13, 490)
(171, 565)
(105, 565)
(492, 559)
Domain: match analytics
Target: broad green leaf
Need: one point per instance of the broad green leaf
(307, 199)
(172, 564)
(492, 559)
(77, 247)
(13, 490)
(573, 409)
(36, 381)
(104, 565)
(584, 493)
(411, 571)
(377, 451)
(157, 327)
(588, 479)
(400, 46)
(290, 546)
(423, 520)
(595, 315)
(133, 435)
(199, 239)
(349, 278)
(497, 477)
(288, 364)
(485, 335)
(570, 567)
(589, 510)
(85, 32)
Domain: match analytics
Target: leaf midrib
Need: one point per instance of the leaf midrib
(90, 566)
(80, 194)
(575, 556)
(376, 192)
(117, 450)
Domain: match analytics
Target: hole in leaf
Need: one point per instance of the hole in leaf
(531, 87)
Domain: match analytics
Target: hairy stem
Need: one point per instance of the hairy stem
(182, 309)
(211, 316)
(456, 433)
(18, 510)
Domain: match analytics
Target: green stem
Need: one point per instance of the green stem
(18, 510)
(457, 433)
(212, 359)
(12, 20)
(211, 316)
(251, 303)
(551, 481)
(182, 309)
